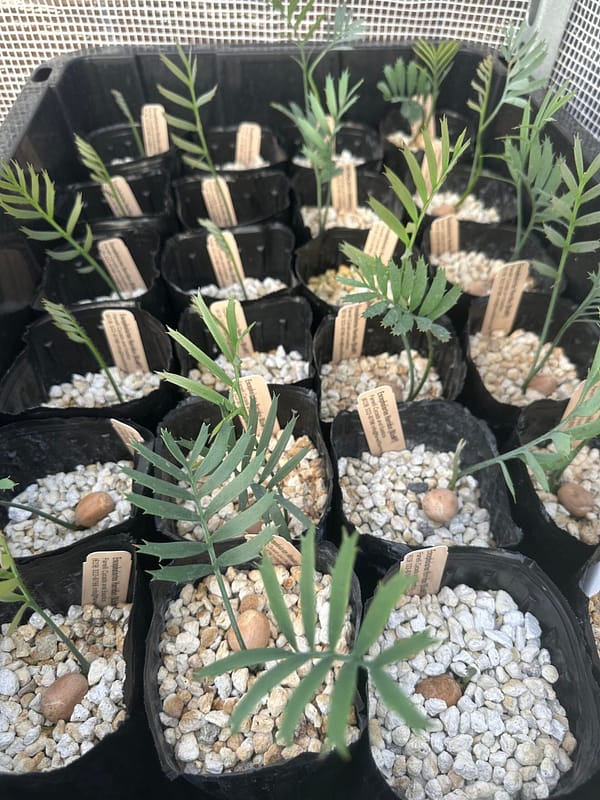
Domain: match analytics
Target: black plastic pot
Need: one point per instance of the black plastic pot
(50, 357)
(439, 425)
(118, 150)
(265, 251)
(63, 282)
(307, 775)
(31, 450)
(260, 196)
(361, 140)
(448, 359)
(221, 143)
(533, 591)
(276, 321)
(152, 190)
(553, 548)
(123, 764)
(496, 241)
(369, 184)
(323, 253)
(186, 419)
(579, 343)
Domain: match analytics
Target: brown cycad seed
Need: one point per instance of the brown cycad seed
(255, 630)
(61, 697)
(440, 505)
(442, 687)
(577, 500)
(92, 508)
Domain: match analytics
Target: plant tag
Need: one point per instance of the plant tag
(124, 340)
(428, 566)
(590, 580)
(218, 202)
(444, 235)
(120, 265)
(219, 309)
(105, 579)
(380, 420)
(155, 130)
(126, 434)
(504, 299)
(425, 171)
(225, 270)
(575, 397)
(125, 200)
(280, 551)
(344, 192)
(381, 242)
(349, 332)
(254, 387)
(247, 144)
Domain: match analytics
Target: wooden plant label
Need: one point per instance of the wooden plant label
(344, 191)
(380, 420)
(381, 242)
(247, 144)
(444, 235)
(575, 397)
(124, 340)
(254, 387)
(120, 265)
(428, 566)
(349, 332)
(127, 200)
(416, 130)
(218, 202)
(280, 551)
(224, 269)
(504, 299)
(437, 149)
(155, 130)
(219, 309)
(590, 580)
(105, 579)
(126, 433)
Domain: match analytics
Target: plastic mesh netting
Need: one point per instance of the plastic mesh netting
(33, 32)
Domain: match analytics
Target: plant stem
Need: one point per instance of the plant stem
(36, 511)
(427, 367)
(104, 367)
(411, 366)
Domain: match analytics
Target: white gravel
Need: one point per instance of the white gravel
(361, 218)
(275, 366)
(508, 737)
(93, 390)
(504, 361)
(326, 285)
(31, 659)
(253, 287)
(195, 715)
(342, 382)
(382, 496)
(472, 270)
(58, 494)
(472, 208)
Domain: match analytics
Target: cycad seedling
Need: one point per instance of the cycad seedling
(349, 660)
(24, 198)
(126, 111)
(7, 483)
(522, 53)
(66, 322)
(98, 170)
(318, 127)
(410, 83)
(14, 590)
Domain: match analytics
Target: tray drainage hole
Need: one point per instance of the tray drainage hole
(42, 74)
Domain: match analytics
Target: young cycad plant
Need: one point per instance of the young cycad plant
(66, 322)
(564, 224)
(205, 475)
(411, 83)
(126, 111)
(534, 168)
(24, 197)
(98, 170)
(522, 53)
(349, 661)
(14, 590)
(318, 127)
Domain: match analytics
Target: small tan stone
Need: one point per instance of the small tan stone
(443, 210)
(544, 384)
(442, 687)
(61, 697)
(173, 705)
(273, 755)
(479, 288)
(255, 630)
(208, 636)
(251, 601)
(440, 505)
(577, 500)
(92, 508)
